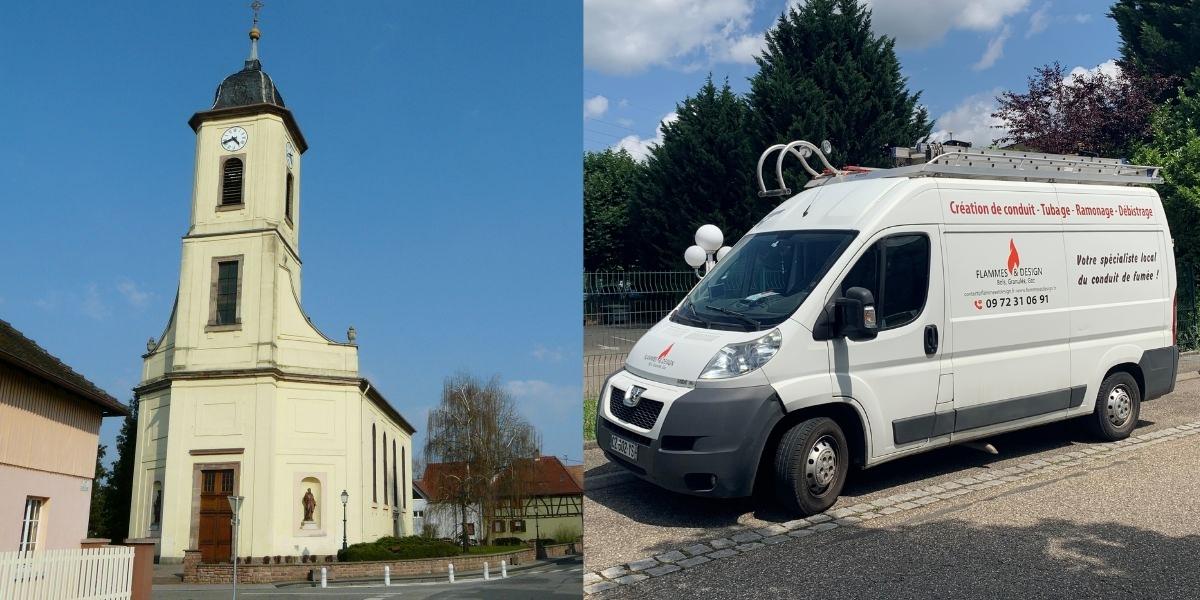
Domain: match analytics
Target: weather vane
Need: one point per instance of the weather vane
(256, 6)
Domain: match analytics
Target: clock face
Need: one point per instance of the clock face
(291, 154)
(233, 139)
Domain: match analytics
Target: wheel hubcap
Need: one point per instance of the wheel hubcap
(821, 465)
(1120, 406)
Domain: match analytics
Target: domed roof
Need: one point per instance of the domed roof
(249, 86)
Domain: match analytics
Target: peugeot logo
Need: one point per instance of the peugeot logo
(632, 396)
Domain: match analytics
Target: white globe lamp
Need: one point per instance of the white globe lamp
(695, 256)
(722, 252)
(709, 238)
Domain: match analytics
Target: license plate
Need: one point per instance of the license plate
(623, 447)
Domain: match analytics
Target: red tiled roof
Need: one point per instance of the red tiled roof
(550, 478)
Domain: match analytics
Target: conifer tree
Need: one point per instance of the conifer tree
(825, 76)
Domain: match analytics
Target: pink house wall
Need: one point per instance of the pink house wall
(64, 515)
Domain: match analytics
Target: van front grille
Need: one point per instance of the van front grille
(644, 415)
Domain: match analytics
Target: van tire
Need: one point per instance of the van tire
(1118, 405)
(811, 463)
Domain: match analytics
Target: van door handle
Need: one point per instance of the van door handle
(931, 340)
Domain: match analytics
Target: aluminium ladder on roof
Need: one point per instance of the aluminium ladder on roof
(960, 162)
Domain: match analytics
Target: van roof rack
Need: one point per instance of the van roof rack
(943, 160)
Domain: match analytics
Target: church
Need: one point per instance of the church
(241, 395)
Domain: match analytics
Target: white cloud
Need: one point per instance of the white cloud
(994, 50)
(544, 399)
(595, 107)
(1108, 67)
(639, 147)
(1039, 20)
(543, 353)
(971, 120)
(94, 305)
(133, 294)
(629, 36)
(744, 49)
(925, 22)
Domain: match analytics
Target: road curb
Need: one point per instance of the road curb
(749, 539)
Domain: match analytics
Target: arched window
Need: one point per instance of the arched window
(231, 181)
(374, 485)
(396, 497)
(287, 198)
(385, 478)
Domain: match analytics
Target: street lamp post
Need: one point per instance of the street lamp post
(707, 251)
(345, 500)
(235, 503)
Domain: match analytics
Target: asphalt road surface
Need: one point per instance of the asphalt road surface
(1084, 529)
(561, 580)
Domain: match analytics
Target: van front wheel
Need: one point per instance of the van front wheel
(811, 462)
(1118, 405)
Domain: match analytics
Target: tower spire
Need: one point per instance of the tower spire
(255, 6)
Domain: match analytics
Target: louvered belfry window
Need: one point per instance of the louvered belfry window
(287, 198)
(231, 181)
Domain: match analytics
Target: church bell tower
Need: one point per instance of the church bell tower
(242, 394)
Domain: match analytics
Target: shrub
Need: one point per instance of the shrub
(364, 551)
(566, 534)
(506, 541)
(393, 548)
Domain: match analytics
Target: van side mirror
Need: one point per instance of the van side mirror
(855, 315)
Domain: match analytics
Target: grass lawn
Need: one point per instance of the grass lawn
(589, 418)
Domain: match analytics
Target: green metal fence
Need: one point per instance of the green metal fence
(1187, 317)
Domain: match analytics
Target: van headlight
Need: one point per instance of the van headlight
(739, 359)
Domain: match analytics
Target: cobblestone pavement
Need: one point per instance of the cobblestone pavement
(674, 537)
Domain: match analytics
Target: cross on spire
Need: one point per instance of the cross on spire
(255, 6)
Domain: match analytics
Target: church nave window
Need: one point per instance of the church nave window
(374, 468)
(232, 170)
(385, 473)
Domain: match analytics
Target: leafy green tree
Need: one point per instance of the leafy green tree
(702, 172)
(99, 509)
(119, 486)
(825, 76)
(1158, 38)
(1175, 146)
(609, 178)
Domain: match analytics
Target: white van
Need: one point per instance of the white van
(883, 313)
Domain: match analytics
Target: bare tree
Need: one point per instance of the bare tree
(477, 433)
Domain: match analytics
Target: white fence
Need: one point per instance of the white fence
(87, 574)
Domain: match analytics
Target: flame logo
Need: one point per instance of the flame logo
(1014, 259)
(666, 352)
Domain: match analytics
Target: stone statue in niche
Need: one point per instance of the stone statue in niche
(156, 511)
(309, 502)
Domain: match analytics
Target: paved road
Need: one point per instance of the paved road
(560, 580)
(630, 520)
(1121, 525)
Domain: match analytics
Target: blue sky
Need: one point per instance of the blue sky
(642, 57)
(442, 213)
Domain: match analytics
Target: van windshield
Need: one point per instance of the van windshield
(763, 280)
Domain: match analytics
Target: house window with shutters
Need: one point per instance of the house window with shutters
(518, 526)
(498, 526)
(289, 190)
(231, 188)
(225, 310)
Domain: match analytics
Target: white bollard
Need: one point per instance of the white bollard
(486, 575)
(503, 569)
(324, 573)
(387, 575)
(450, 568)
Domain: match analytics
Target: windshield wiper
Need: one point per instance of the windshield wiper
(696, 316)
(734, 313)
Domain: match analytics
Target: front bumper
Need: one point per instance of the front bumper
(708, 441)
